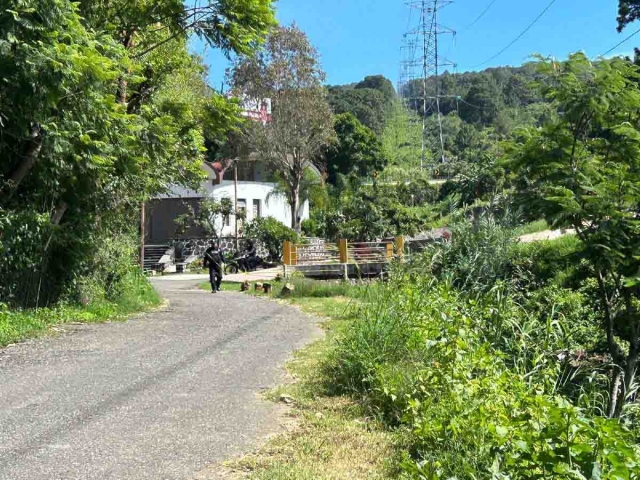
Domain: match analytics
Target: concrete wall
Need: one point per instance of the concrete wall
(258, 192)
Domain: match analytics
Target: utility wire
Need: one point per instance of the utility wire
(519, 36)
(623, 41)
(479, 17)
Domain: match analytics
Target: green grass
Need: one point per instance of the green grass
(330, 437)
(225, 287)
(303, 288)
(533, 227)
(19, 325)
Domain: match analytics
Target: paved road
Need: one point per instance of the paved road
(158, 397)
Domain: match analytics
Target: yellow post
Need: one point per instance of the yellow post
(400, 246)
(389, 251)
(294, 254)
(286, 252)
(343, 246)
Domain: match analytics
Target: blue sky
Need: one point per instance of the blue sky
(356, 38)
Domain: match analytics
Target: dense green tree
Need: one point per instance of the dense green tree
(628, 11)
(366, 104)
(582, 170)
(54, 94)
(234, 26)
(355, 152)
(98, 112)
(380, 83)
(483, 101)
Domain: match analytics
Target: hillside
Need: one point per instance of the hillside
(479, 109)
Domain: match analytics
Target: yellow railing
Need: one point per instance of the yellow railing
(342, 253)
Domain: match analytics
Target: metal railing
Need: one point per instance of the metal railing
(369, 252)
(342, 253)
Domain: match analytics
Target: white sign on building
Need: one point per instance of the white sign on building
(258, 110)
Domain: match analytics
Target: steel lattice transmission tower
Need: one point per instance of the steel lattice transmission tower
(421, 66)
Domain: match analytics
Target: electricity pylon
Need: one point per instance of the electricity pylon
(421, 65)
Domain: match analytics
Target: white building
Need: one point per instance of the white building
(254, 196)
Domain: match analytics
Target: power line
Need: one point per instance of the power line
(479, 17)
(522, 34)
(623, 41)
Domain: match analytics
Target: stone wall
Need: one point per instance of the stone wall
(195, 247)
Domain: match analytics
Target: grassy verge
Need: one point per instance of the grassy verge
(17, 325)
(533, 227)
(334, 437)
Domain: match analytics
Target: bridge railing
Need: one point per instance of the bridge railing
(342, 252)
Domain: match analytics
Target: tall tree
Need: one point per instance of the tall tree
(582, 170)
(288, 72)
(628, 11)
(356, 150)
(380, 83)
(102, 106)
(366, 104)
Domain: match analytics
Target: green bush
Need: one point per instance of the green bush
(136, 293)
(272, 234)
(24, 242)
(476, 390)
(311, 227)
(556, 261)
(475, 258)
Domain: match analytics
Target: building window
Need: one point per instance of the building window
(257, 209)
(242, 207)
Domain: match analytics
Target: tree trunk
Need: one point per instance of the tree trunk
(121, 94)
(294, 204)
(58, 213)
(629, 377)
(614, 393)
(56, 218)
(28, 160)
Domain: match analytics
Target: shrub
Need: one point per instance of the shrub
(272, 234)
(475, 258)
(555, 261)
(311, 227)
(476, 388)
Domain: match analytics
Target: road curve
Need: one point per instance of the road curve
(158, 397)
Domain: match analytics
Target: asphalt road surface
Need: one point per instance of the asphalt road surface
(158, 397)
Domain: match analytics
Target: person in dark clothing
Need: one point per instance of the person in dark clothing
(250, 256)
(214, 258)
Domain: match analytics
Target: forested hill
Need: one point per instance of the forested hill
(478, 97)
(478, 109)
(369, 100)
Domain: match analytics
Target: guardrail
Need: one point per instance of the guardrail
(342, 252)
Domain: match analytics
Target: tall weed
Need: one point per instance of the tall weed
(478, 382)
